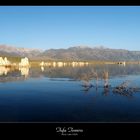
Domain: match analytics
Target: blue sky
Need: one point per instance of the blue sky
(48, 27)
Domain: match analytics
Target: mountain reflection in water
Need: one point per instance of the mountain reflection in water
(70, 93)
(84, 74)
(89, 75)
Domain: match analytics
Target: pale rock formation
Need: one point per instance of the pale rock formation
(24, 62)
(4, 62)
(7, 62)
(54, 64)
(42, 64)
(59, 64)
(1, 61)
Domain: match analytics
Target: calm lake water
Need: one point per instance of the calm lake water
(69, 94)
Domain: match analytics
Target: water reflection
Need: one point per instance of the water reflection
(105, 77)
(78, 73)
(42, 69)
(4, 70)
(106, 91)
(91, 77)
(24, 71)
(85, 74)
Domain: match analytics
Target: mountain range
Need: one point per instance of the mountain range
(72, 53)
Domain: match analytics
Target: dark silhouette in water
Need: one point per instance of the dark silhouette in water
(122, 89)
(105, 77)
(86, 89)
(86, 77)
(106, 83)
(106, 91)
(87, 86)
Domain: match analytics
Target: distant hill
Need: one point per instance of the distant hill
(72, 53)
(87, 53)
(18, 52)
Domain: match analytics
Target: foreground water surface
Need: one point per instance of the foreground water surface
(69, 94)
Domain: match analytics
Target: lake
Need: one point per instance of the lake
(70, 94)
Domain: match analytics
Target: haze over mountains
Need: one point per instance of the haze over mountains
(72, 53)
